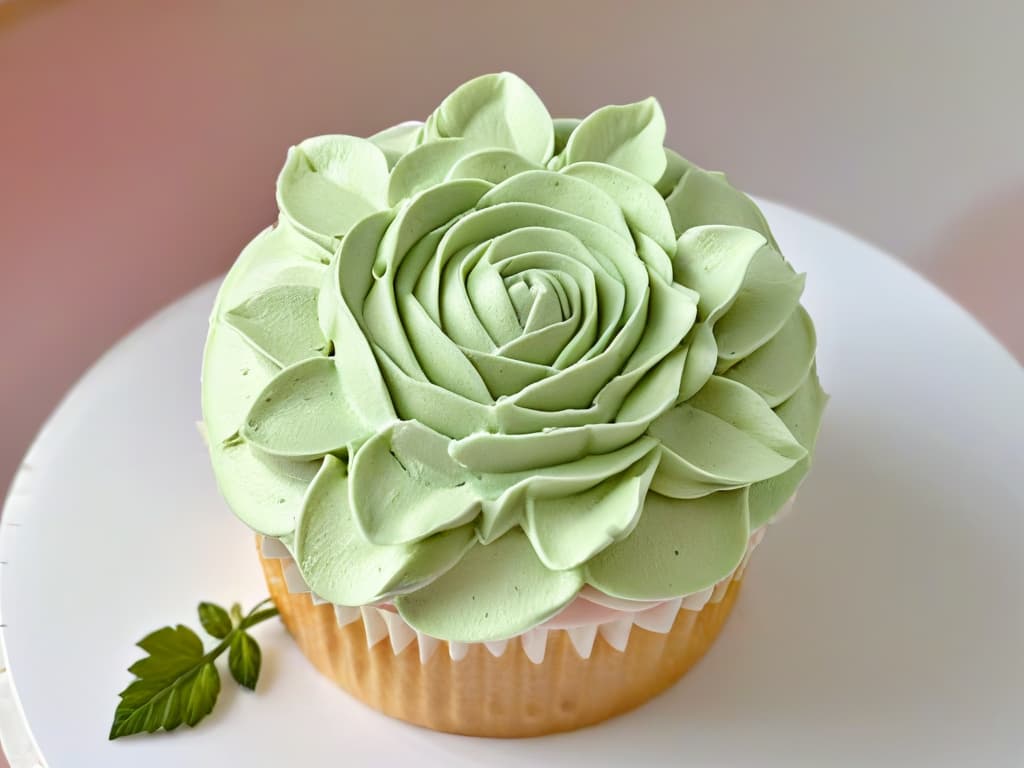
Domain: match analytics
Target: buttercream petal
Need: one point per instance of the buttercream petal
(630, 137)
(439, 357)
(264, 492)
(458, 313)
(355, 262)
(561, 192)
(713, 261)
(340, 566)
(403, 486)
(398, 140)
(495, 592)
(580, 393)
(675, 166)
(655, 392)
(802, 415)
(488, 452)
(556, 292)
(278, 255)
(506, 494)
(701, 356)
(568, 531)
(234, 374)
(564, 126)
(488, 299)
(766, 300)
(679, 546)
(704, 197)
(645, 400)
(328, 183)
(505, 376)
(575, 387)
(426, 212)
(670, 316)
(611, 251)
(643, 207)
(546, 298)
(776, 370)
(491, 165)
(563, 248)
(725, 436)
(304, 413)
(282, 323)
(355, 359)
(501, 219)
(498, 110)
(425, 167)
(443, 411)
(403, 251)
(654, 257)
(494, 222)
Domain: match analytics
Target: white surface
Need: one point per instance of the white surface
(881, 624)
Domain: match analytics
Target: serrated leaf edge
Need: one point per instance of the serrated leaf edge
(163, 710)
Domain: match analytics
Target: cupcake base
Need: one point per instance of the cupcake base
(504, 696)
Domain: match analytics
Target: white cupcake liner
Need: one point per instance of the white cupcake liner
(382, 622)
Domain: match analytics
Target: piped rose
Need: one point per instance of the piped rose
(497, 356)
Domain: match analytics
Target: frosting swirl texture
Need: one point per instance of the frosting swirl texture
(487, 359)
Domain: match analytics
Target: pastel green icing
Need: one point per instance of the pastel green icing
(327, 536)
(407, 467)
(234, 370)
(303, 413)
(630, 137)
(266, 491)
(495, 111)
(397, 140)
(743, 442)
(282, 323)
(486, 359)
(801, 414)
(677, 548)
(501, 588)
(568, 531)
(328, 183)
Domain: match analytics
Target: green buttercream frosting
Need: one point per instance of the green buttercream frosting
(484, 360)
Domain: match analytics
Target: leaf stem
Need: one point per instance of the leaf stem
(256, 616)
(251, 620)
(259, 605)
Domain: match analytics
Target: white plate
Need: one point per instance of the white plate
(881, 624)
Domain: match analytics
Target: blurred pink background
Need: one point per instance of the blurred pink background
(140, 141)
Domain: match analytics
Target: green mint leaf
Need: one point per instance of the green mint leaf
(215, 620)
(244, 660)
(176, 684)
(199, 701)
(172, 651)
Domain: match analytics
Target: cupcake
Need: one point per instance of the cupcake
(508, 401)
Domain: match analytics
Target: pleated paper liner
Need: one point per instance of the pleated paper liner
(543, 681)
